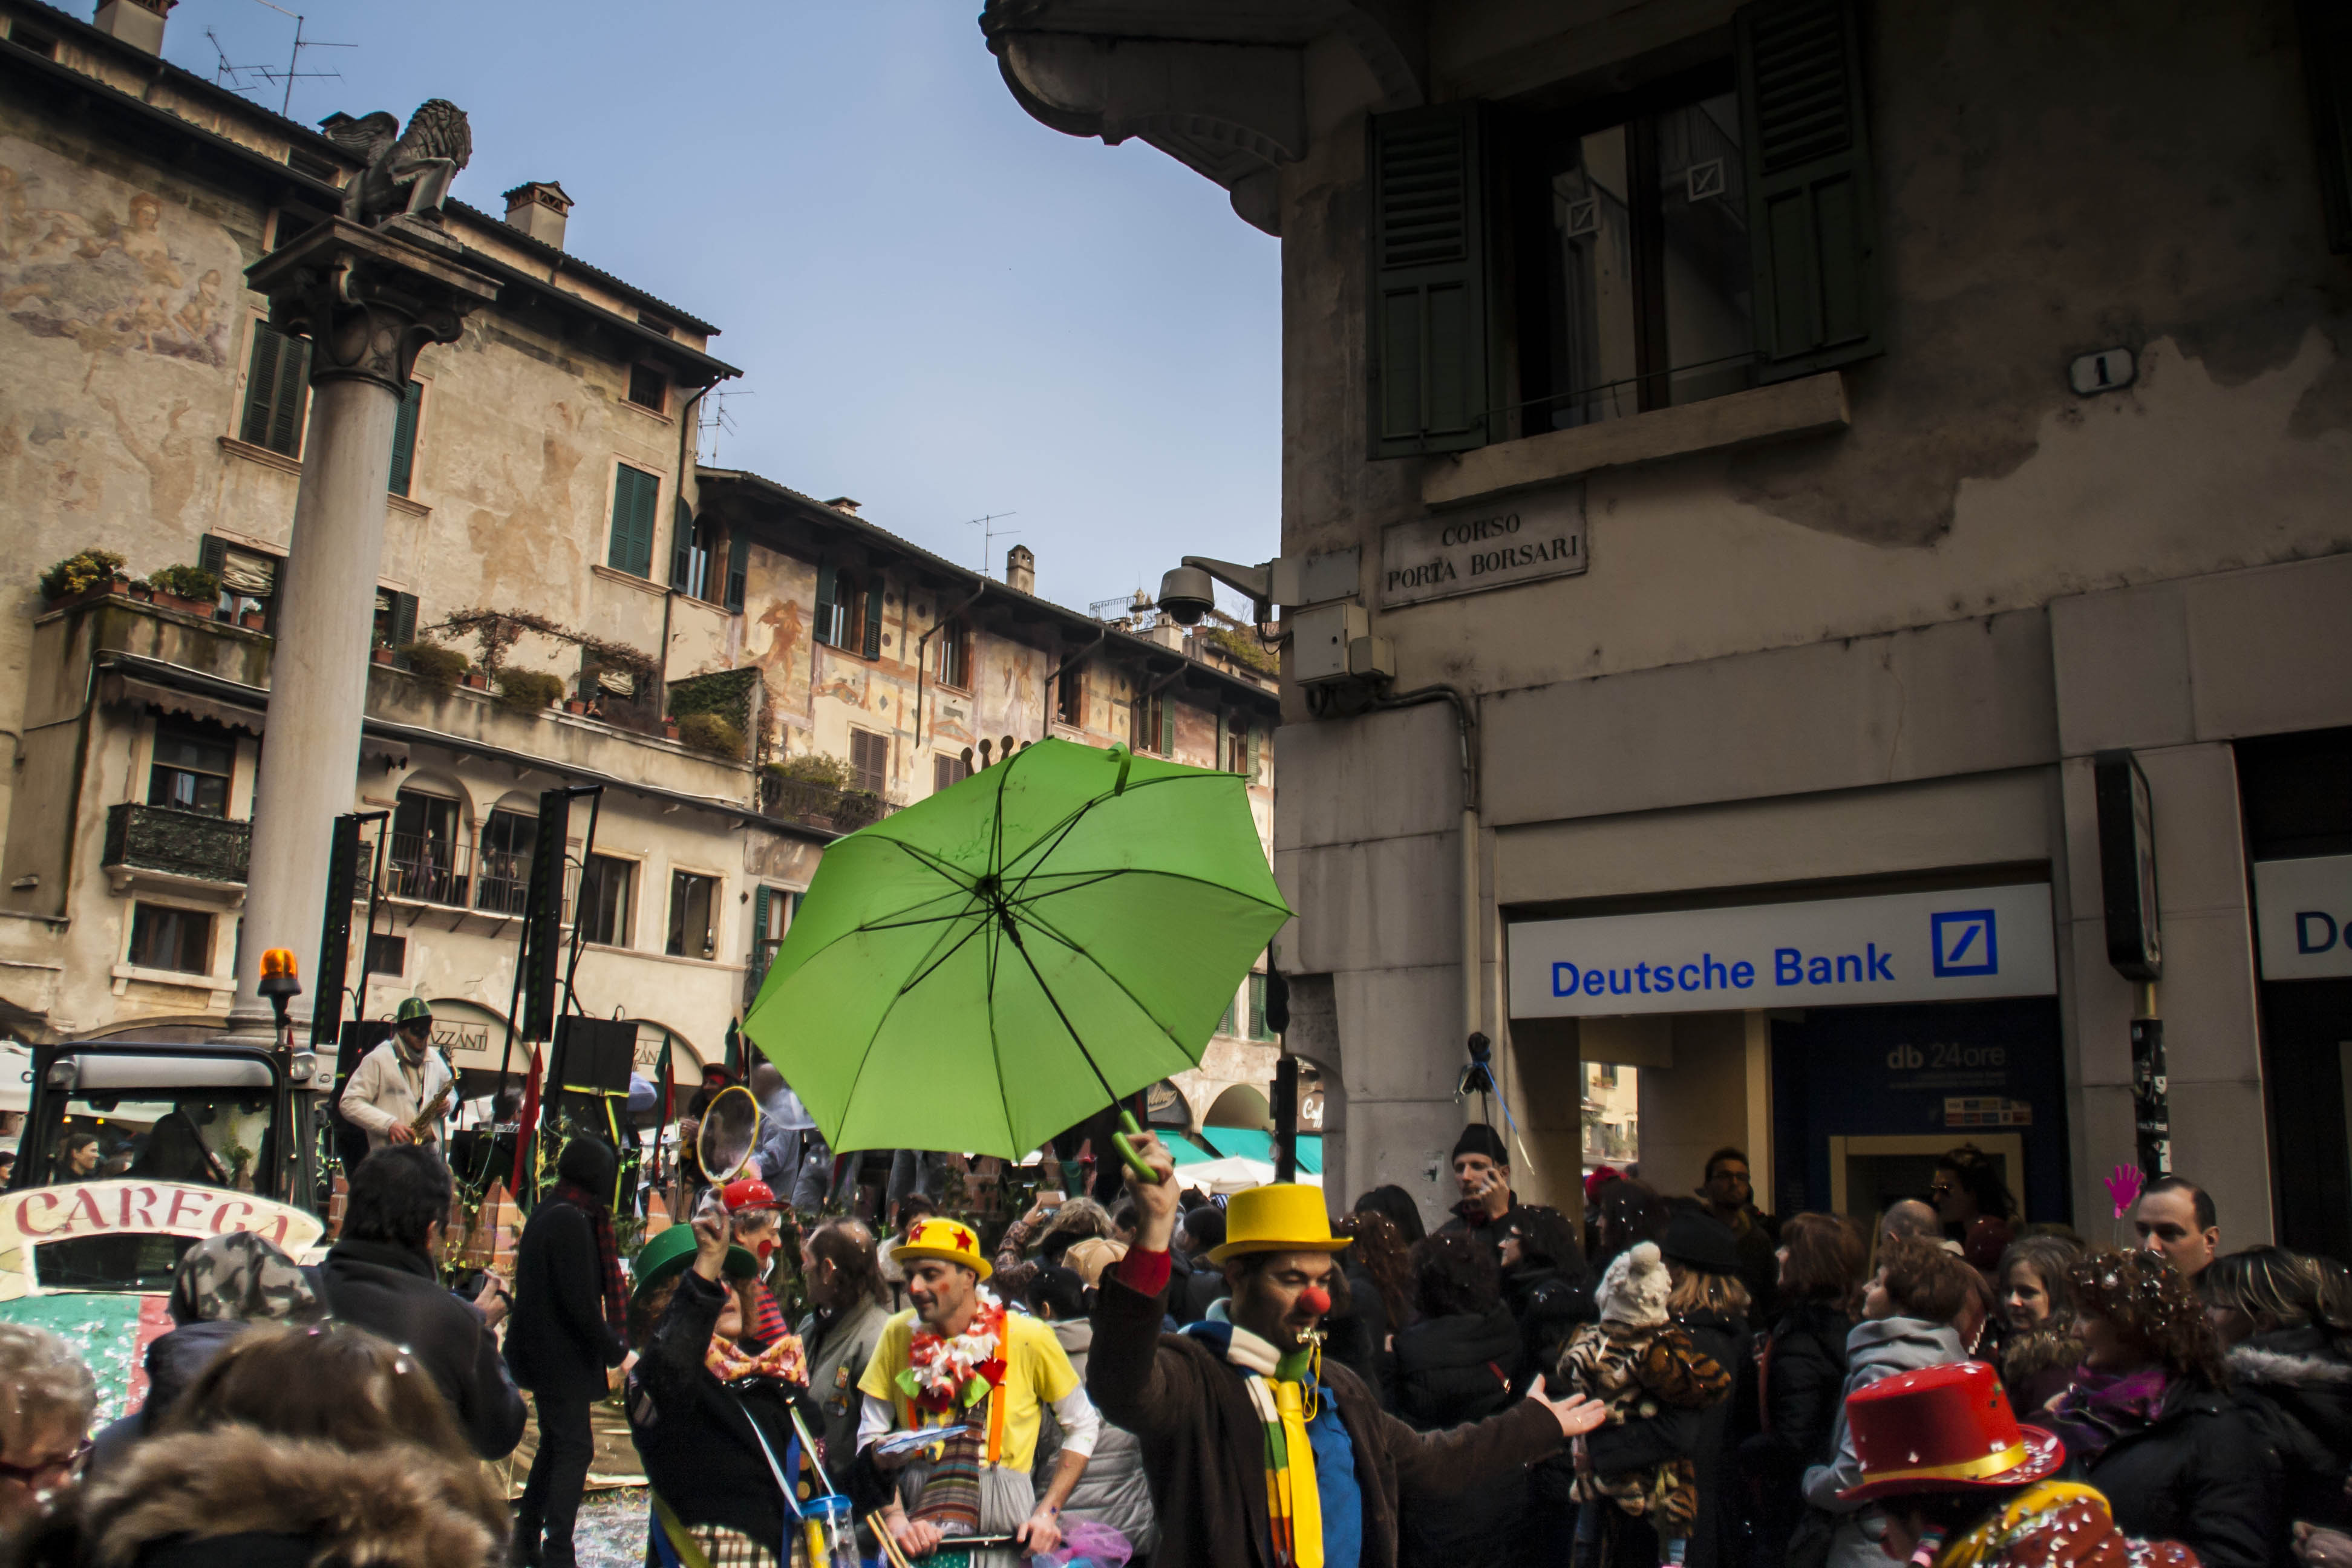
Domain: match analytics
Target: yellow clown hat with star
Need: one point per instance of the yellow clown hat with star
(947, 1240)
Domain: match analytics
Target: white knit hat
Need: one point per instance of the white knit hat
(1635, 1289)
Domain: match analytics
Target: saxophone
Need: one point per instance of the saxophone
(432, 1112)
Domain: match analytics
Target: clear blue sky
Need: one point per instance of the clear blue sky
(942, 307)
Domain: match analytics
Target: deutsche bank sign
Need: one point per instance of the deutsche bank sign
(1902, 947)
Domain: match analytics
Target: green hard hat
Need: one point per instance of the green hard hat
(669, 1254)
(411, 1008)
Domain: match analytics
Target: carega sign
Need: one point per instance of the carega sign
(1495, 546)
(131, 1207)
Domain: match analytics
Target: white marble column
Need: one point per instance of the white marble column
(368, 298)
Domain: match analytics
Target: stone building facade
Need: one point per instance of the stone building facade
(546, 517)
(1807, 437)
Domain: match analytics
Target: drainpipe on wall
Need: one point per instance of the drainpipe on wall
(923, 661)
(670, 593)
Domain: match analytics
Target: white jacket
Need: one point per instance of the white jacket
(383, 1091)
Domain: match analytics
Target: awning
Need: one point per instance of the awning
(114, 686)
(1248, 1144)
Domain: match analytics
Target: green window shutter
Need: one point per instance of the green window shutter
(873, 649)
(403, 438)
(1431, 370)
(2326, 29)
(824, 612)
(1812, 223)
(739, 568)
(681, 551)
(211, 553)
(275, 383)
(634, 494)
(404, 619)
(1166, 727)
(759, 900)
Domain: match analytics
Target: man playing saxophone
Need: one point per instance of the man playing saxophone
(402, 1090)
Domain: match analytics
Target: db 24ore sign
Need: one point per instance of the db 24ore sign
(1496, 546)
(1901, 947)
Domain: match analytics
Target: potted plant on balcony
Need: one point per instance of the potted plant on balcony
(252, 620)
(528, 691)
(711, 732)
(439, 668)
(85, 575)
(191, 590)
(142, 591)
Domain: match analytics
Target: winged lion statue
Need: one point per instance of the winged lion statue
(408, 172)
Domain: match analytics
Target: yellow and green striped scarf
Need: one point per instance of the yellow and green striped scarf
(1285, 1403)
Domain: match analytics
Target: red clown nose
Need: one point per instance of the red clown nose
(1316, 1300)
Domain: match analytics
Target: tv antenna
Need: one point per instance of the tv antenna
(224, 74)
(715, 418)
(294, 62)
(989, 534)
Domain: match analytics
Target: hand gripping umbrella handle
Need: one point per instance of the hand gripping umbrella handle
(1124, 1142)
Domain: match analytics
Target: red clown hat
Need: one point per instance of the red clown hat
(1943, 1428)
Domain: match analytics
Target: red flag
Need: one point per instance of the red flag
(524, 1127)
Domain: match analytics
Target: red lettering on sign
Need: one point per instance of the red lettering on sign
(138, 1211)
(185, 1196)
(221, 1225)
(276, 1234)
(86, 1200)
(25, 1214)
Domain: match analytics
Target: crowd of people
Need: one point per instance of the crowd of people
(1679, 1381)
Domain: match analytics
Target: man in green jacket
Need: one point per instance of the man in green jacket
(1260, 1454)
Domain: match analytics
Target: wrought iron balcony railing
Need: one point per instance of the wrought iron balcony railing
(177, 843)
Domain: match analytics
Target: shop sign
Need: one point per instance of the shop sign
(2302, 914)
(1497, 545)
(133, 1207)
(1901, 947)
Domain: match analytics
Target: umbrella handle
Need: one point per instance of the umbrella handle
(1123, 1140)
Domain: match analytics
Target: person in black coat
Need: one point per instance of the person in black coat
(561, 1339)
(2149, 1423)
(1547, 1287)
(2285, 1321)
(1453, 1365)
(380, 1277)
(1710, 1303)
(700, 1439)
(1802, 1377)
(1205, 1227)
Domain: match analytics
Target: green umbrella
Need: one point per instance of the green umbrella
(1004, 960)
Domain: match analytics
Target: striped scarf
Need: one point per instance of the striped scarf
(608, 1254)
(1284, 1392)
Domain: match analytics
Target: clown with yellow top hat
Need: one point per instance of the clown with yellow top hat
(1283, 1459)
(961, 1366)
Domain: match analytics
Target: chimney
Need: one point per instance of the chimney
(1021, 570)
(843, 503)
(139, 23)
(536, 207)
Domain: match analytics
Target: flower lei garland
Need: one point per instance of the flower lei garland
(949, 1375)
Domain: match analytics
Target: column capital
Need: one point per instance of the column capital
(369, 298)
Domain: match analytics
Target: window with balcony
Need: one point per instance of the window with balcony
(606, 883)
(502, 867)
(869, 761)
(425, 850)
(693, 915)
(248, 581)
(166, 938)
(191, 768)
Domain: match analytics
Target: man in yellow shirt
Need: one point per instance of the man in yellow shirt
(960, 1362)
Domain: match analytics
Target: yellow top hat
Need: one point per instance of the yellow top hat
(949, 1241)
(1284, 1217)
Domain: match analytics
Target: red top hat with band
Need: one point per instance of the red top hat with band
(1941, 1429)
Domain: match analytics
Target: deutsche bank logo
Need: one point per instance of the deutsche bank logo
(1964, 943)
